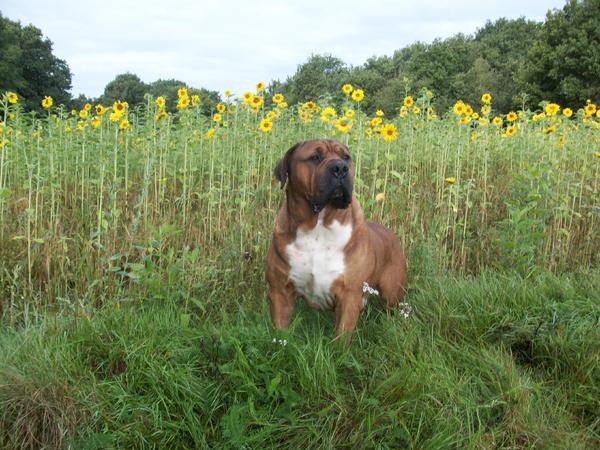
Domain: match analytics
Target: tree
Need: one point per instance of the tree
(28, 67)
(436, 66)
(126, 87)
(504, 45)
(168, 89)
(564, 62)
(320, 75)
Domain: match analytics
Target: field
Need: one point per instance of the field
(133, 301)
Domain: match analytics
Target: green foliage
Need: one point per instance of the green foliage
(564, 62)
(319, 75)
(125, 87)
(487, 362)
(28, 67)
(504, 45)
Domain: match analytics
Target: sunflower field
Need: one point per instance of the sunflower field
(132, 292)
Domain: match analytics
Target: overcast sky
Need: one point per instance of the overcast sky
(233, 44)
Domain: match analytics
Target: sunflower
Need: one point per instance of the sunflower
(597, 154)
(265, 125)
(47, 102)
(347, 88)
(590, 109)
(257, 101)
(459, 108)
(124, 124)
(468, 110)
(349, 113)
(210, 133)
(217, 118)
(379, 113)
(100, 110)
(160, 114)
(552, 108)
(376, 121)
(561, 141)
(403, 111)
(389, 132)
(81, 125)
(343, 124)
(195, 100)
(87, 106)
(119, 107)
(83, 113)
(247, 96)
(277, 98)
(486, 109)
(358, 95)
(260, 86)
(567, 112)
(369, 131)
(549, 130)
(328, 114)
(96, 121)
(221, 108)
(272, 115)
(182, 92)
(282, 105)
(12, 97)
(408, 101)
(510, 130)
(486, 98)
(183, 102)
(450, 180)
(511, 116)
(310, 105)
(475, 116)
(465, 119)
(227, 93)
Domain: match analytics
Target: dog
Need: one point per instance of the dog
(322, 248)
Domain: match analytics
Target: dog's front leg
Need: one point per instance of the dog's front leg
(347, 310)
(282, 305)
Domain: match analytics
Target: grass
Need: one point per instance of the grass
(133, 302)
(494, 361)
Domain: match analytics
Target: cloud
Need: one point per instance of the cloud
(234, 44)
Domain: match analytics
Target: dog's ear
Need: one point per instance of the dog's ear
(282, 169)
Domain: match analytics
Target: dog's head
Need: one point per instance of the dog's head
(321, 171)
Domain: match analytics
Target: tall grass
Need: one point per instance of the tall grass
(91, 213)
(132, 294)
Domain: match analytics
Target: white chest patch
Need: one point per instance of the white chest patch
(316, 260)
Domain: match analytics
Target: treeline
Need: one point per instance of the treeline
(521, 62)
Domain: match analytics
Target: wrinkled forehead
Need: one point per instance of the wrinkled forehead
(326, 148)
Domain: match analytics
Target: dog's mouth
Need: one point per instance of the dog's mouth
(338, 197)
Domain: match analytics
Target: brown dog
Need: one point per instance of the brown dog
(322, 248)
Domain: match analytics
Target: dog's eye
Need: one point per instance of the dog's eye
(316, 157)
(346, 157)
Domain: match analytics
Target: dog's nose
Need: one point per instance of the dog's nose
(339, 168)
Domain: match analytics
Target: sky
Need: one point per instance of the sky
(222, 45)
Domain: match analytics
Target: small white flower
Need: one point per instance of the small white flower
(282, 342)
(405, 309)
(368, 289)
